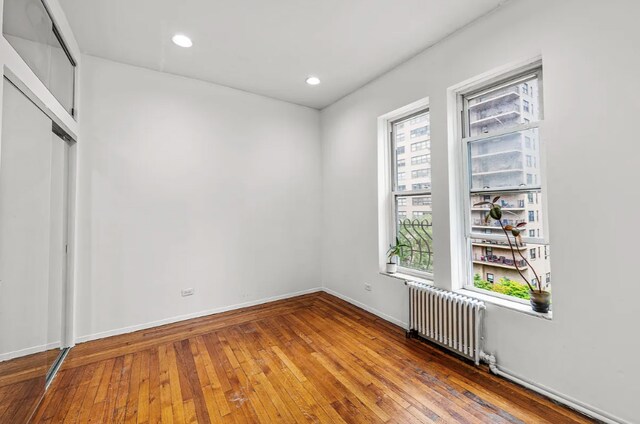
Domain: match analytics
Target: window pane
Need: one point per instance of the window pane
(494, 268)
(412, 147)
(414, 225)
(516, 207)
(510, 160)
(29, 29)
(504, 107)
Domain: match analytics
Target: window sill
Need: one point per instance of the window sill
(407, 277)
(504, 303)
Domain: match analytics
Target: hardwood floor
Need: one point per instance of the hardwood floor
(313, 358)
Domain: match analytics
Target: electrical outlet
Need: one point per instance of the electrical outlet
(367, 287)
(187, 292)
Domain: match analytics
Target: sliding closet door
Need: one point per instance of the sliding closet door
(25, 253)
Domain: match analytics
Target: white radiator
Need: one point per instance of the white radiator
(446, 318)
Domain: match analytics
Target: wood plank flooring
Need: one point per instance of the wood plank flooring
(312, 358)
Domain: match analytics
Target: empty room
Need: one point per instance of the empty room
(336, 211)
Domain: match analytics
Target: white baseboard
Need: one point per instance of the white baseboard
(368, 308)
(171, 320)
(562, 398)
(28, 351)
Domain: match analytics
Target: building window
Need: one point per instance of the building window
(419, 160)
(400, 137)
(421, 173)
(421, 186)
(421, 201)
(419, 132)
(490, 277)
(400, 150)
(500, 159)
(417, 231)
(421, 145)
(401, 163)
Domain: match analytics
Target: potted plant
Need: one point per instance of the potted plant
(540, 299)
(395, 251)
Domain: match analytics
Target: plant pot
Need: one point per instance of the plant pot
(540, 301)
(392, 268)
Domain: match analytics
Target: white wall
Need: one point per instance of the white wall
(185, 184)
(591, 67)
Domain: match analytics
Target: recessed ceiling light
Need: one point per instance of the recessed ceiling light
(182, 40)
(313, 80)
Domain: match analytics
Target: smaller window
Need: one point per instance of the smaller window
(421, 201)
(402, 187)
(402, 214)
(421, 145)
(400, 137)
(548, 278)
(525, 106)
(532, 233)
(421, 173)
(532, 216)
(417, 214)
(530, 197)
(402, 201)
(419, 132)
(490, 277)
(532, 253)
(529, 161)
(402, 175)
(525, 88)
(401, 163)
(400, 150)
(421, 186)
(418, 160)
(527, 142)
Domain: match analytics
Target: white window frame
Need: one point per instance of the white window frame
(386, 194)
(461, 265)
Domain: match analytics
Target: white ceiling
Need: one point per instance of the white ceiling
(269, 47)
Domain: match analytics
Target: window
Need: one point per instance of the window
(30, 30)
(421, 186)
(400, 137)
(401, 163)
(421, 201)
(400, 150)
(419, 160)
(421, 173)
(416, 232)
(500, 160)
(419, 132)
(422, 145)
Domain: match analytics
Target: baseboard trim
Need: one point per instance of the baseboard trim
(28, 351)
(171, 320)
(368, 308)
(572, 403)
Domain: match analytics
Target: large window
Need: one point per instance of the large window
(412, 208)
(499, 154)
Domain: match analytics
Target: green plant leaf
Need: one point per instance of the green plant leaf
(496, 212)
